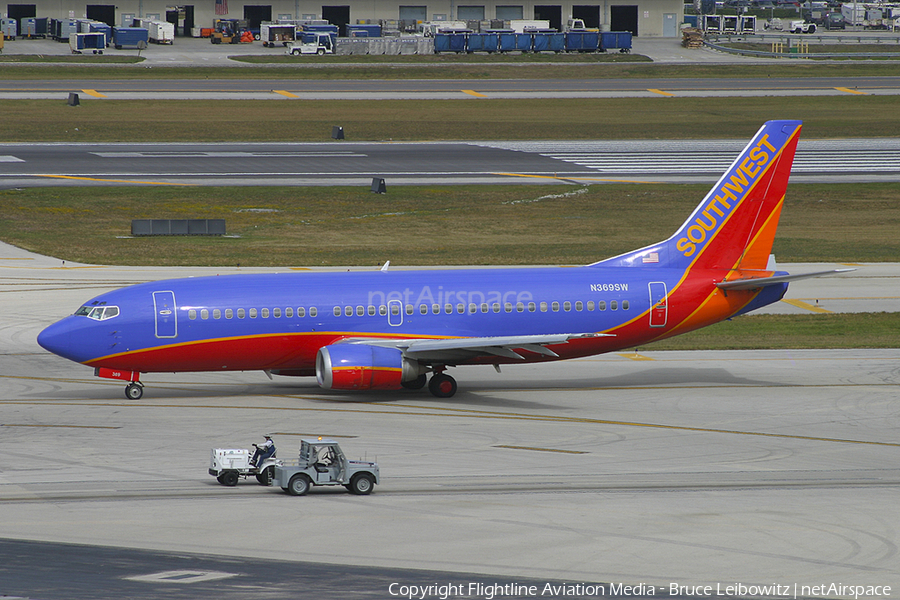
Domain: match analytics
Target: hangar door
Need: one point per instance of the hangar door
(254, 15)
(552, 13)
(105, 13)
(20, 12)
(337, 15)
(590, 14)
(624, 18)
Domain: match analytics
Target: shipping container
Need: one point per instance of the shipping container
(130, 37)
(93, 43)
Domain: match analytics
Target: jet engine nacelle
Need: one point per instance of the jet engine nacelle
(363, 367)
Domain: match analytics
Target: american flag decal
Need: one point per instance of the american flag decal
(653, 257)
(221, 7)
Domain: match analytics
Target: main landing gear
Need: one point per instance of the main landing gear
(442, 385)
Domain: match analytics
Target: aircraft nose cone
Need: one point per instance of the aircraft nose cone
(57, 338)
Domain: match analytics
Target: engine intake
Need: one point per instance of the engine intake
(364, 367)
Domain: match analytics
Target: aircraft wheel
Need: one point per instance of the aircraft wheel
(416, 384)
(442, 386)
(362, 484)
(134, 391)
(230, 478)
(298, 485)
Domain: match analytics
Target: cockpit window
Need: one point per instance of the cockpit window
(98, 313)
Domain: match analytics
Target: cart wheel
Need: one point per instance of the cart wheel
(298, 485)
(134, 391)
(265, 478)
(229, 478)
(321, 51)
(295, 52)
(362, 484)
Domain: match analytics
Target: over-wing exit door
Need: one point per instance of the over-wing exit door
(166, 314)
(659, 304)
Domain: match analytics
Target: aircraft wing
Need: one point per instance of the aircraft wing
(448, 350)
(758, 282)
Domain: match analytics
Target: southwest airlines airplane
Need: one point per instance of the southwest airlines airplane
(386, 330)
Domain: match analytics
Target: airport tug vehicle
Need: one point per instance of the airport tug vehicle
(322, 462)
(228, 465)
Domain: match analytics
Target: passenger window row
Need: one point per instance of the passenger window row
(472, 308)
(253, 313)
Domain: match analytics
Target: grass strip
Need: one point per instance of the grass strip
(469, 118)
(427, 225)
(782, 332)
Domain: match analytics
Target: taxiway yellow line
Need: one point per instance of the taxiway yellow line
(286, 93)
(660, 92)
(93, 93)
(114, 180)
(541, 449)
(806, 306)
(573, 178)
(849, 91)
(474, 93)
(636, 356)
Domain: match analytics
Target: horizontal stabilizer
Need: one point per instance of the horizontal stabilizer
(760, 282)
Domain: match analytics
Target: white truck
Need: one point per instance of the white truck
(322, 462)
(312, 43)
(228, 465)
(802, 27)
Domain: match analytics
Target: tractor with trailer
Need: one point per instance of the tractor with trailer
(312, 43)
(228, 465)
(323, 463)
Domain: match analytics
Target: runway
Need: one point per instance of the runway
(356, 163)
(649, 469)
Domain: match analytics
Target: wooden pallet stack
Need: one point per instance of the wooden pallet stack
(692, 37)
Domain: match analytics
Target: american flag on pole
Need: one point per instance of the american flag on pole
(653, 257)
(221, 7)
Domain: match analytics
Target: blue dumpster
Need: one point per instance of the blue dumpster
(541, 42)
(130, 37)
(557, 42)
(524, 42)
(457, 42)
(441, 43)
(582, 41)
(616, 40)
(482, 42)
(103, 28)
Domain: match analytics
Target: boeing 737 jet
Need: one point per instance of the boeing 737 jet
(386, 330)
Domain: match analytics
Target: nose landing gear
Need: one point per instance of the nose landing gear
(134, 390)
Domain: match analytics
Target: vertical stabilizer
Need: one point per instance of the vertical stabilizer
(734, 226)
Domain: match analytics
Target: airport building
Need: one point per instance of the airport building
(645, 18)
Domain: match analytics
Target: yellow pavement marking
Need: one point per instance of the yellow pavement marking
(286, 93)
(74, 426)
(636, 356)
(114, 180)
(541, 449)
(849, 91)
(93, 93)
(474, 93)
(573, 178)
(660, 92)
(805, 306)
